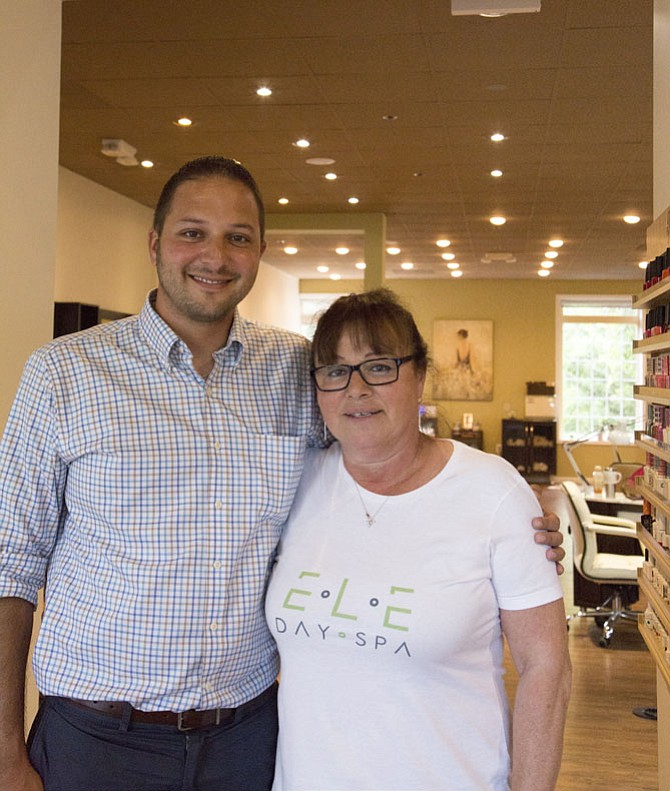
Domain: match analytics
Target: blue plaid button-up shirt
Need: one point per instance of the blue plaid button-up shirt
(151, 501)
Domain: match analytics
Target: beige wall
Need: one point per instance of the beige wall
(30, 68)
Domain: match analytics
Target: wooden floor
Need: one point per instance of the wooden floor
(607, 748)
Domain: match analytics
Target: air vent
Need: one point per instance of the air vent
(498, 258)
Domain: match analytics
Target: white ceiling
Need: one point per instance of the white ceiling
(570, 87)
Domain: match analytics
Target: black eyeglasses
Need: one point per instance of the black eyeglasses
(380, 371)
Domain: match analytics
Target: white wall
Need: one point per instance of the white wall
(101, 253)
(274, 299)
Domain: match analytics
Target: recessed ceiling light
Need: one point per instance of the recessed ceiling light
(551, 254)
(361, 265)
(453, 265)
(543, 272)
(556, 243)
(393, 250)
(302, 143)
(183, 121)
(342, 250)
(497, 137)
(631, 219)
(330, 176)
(642, 264)
(320, 161)
(496, 173)
(497, 220)
(546, 264)
(448, 256)
(283, 201)
(147, 163)
(323, 269)
(407, 265)
(290, 250)
(335, 277)
(352, 200)
(443, 242)
(264, 91)
(389, 117)
(456, 273)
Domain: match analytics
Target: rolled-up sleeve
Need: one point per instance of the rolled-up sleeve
(32, 481)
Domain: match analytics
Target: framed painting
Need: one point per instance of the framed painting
(463, 356)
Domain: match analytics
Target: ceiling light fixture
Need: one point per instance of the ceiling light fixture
(546, 264)
(496, 174)
(393, 250)
(447, 256)
(342, 250)
(443, 243)
(352, 200)
(184, 121)
(497, 137)
(283, 201)
(264, 91)
(631, 219)
(551, 254)
(407, 265)
(330, 176)
(642, 264)
(147, 163)
(456, 273)
(497, 220)
(361, 265)
(335, 276)
(320, 161)
(453, 265)
(543, 272)
(323, 269)
(556, 243)
(301, 143)
(289, 250)
(494, 8)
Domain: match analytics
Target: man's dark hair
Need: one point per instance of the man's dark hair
(201, 168)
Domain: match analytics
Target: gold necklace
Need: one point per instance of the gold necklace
(370, 518)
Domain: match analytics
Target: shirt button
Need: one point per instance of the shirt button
(213, 626)
(217, 446)
(218, 505)
(216, 564)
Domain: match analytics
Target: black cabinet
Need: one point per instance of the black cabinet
(530, 446)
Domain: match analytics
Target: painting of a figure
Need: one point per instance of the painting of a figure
(463, 354)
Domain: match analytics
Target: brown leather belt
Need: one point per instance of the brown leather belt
(190, 720)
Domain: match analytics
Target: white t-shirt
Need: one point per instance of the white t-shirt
(389, 635)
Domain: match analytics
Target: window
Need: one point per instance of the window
(311, 307)
(596, 368)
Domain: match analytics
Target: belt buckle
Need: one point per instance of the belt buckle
(184, 728)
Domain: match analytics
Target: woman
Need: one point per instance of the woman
(405, 560)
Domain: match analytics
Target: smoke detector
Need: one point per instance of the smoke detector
(123, 152)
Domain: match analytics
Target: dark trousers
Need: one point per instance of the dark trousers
(75, 749)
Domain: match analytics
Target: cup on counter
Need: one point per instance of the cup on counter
(611, 478)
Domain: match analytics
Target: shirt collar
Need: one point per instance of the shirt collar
(171, 349)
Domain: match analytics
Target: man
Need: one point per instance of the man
(146, 470)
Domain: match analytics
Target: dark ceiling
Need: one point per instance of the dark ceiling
(403, 97)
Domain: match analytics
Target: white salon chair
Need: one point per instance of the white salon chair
(603, 568)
